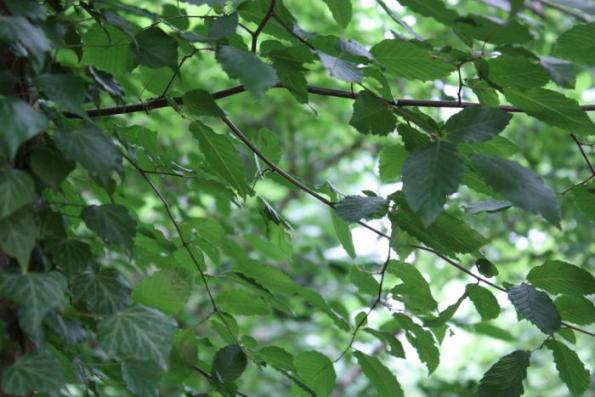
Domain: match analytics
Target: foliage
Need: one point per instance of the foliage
(241, 197)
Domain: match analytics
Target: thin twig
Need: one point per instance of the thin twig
(580, 147)
(210, 379)
(177, 71)
(265, 20)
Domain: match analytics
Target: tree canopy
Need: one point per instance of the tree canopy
(297, 197)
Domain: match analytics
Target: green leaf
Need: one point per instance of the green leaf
(391, 161)
(223, 26)
(446, 314)
(364, 281)
(435, 9)
(489, 206)
(516, 72)
(201, 103)
(385, 383)
(343, 234)
(103, 292)
(414, 291)
(256, 75)
(518, 185)
(25, 38)
(18, 233)
(73, 256)
(16, 190)
(422, 340)
(341, 10)
(476, 124)
(340, 68)
(107, 49)
(111, 222)
(50, 166)
(493, 30)
(354, 208)
(485, 93)
(65, 90)
(578, 44)
(371, 115)
(552, 108)
(141, 377)
(562, 72)
(36, 294)
(39, 372)
(222, 156)
(20, 122)
(535, 306)
(155, 48)
(137, 333)
(484, 301)
(570, 367)
(486, 268)
(576, 309)
(238, 301)
(167, 290)
(410, 61)
(94, 150)
(505, 377)
(559, 277)
(228, 364)
(277, 357)
(396, 347)
(316, 371)
(429, 176)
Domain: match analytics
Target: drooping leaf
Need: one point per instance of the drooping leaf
(36, 372)
(414, 290)
(570, 367)
(256, 75)
(422, 340)
(340, 68)
(559, 277)
(36, 294)
(518, 185)
(576, 309)
(536, 307)
(111, 222)
(138, 333)
(316, 371)
(476, 124)
(578, 44)
(222, 156)
(552, 108)
(505, 377)
(341, 10)
(18, 233)
(89, 146)
(385, 383)
(228, 364)
(20, 122)
(484, 301)
(103, 292)
(407, 60)
(354, 208)
(154, 48)
(16, 190)
(371, 115)
(429, 176)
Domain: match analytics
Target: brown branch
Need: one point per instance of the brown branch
(265, 20)
(238, 133)
(322, 91)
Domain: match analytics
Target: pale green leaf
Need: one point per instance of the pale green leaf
(242, 302)
(390, 162)
(167, 290)
(516, 72)
(484, 301)
(385, 383)
(316, 371)
(414, 290)
(576, 309)
(578, 44)
(107, 49)
(341, 10)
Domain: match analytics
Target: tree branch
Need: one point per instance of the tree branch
(322, 91)
(262, 24)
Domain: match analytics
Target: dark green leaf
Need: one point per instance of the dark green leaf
(111, 222)
(476, 124)
(20, 122)
(25, 37)
(228, 364)
(155, 48)
(578, 44)
(73, 256)
(354, 208)
(570, 367)
(141, 377)
(341, 10)
(559, 277)
(518, 185)
(382, 379)
(103, 292)
(505, 377)
(562, 72)
(489, 206)
(37, 372)
(371, 115)
(65, 90)
(16, 190)
(493, 30)
(576, 309)
(486, 268)
(137, 333)
(18, 233)
(536, 307)
(516, 72)
(316, 371)
(484, 301)
(50, 166)
(201, 103)
(256, 75)
(429, 176)
(223, 26)
(431, 8)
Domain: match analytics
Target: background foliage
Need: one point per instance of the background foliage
(256, 197)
